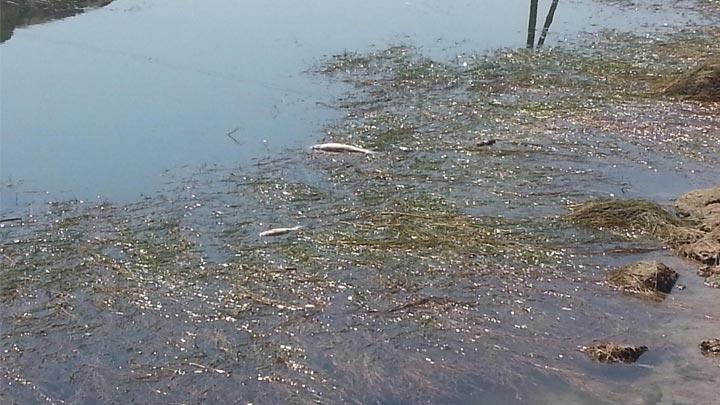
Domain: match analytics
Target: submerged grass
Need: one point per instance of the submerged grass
(414, 265)
(429, 228)
(634, 218)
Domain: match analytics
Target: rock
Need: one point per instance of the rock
(614, 353)
(710, 347)
(701, 205)
(705, 250)
(645, 277)
(713, 281)
(711, 276)
(702, 84)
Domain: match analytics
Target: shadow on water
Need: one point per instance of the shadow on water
(21, 13)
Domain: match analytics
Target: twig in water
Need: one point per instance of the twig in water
(230, 135)
(14, 219)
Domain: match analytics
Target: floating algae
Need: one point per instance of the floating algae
(390, 295)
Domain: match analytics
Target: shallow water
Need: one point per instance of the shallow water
(438, 272)
(97, 106)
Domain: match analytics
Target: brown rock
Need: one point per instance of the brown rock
(705, 250)
(710, 347)
(614, 353)
(701, 205)
(646, 277)
(711, 276)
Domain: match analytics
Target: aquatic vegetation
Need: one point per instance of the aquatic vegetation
(634, 218)
(702, 84)
(440, 253)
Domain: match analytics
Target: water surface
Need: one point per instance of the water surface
(98, 105)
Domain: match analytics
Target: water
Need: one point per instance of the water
(439, 273)
(98, 105)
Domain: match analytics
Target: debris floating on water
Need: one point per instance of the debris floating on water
(341, 147)
(279, 231)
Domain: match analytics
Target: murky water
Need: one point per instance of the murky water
(98, 105)
(436, 271)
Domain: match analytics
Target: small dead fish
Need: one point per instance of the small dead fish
(340, 147)
(279, 231)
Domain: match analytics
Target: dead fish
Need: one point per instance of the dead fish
(279, 231)
(340, 147)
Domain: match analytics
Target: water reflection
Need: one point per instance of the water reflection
(532, 24)
(548, 22)
(20, 13)
(103, 103)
